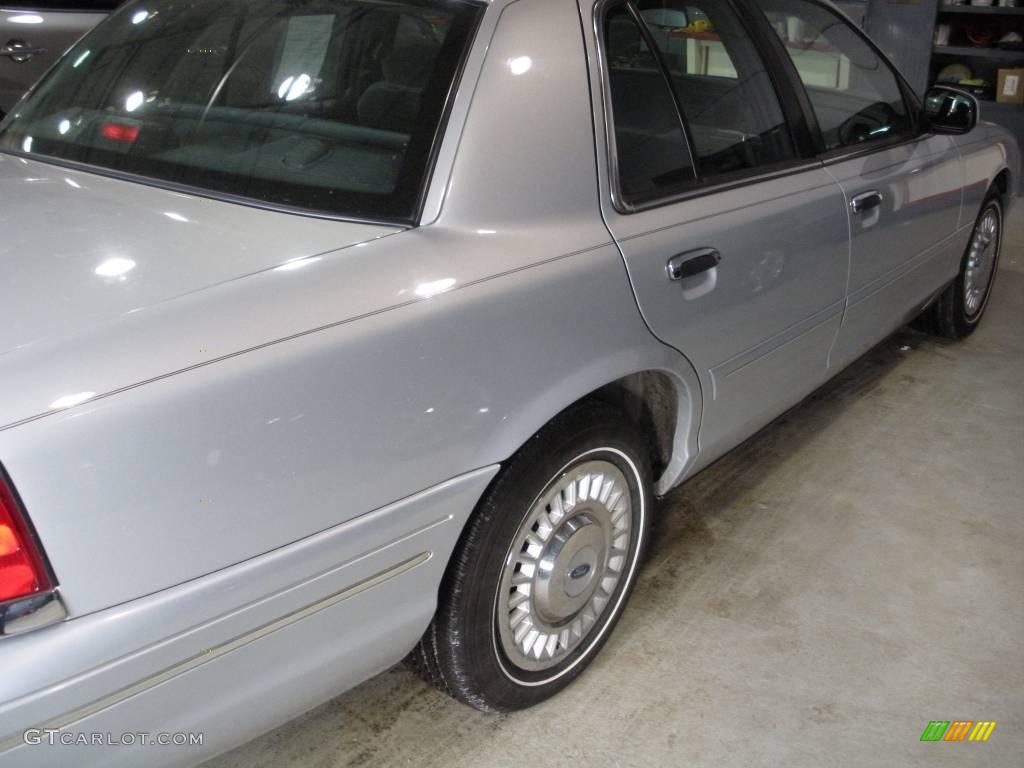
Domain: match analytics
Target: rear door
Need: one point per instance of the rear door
(33, 35)
(902, 186)
(735, 242)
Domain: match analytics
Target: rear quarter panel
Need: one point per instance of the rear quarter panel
(371, 374)
(169, 481)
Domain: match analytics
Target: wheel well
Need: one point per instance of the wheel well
(1002, 181)
(650, 400)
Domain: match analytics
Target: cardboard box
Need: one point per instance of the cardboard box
(1010, 87)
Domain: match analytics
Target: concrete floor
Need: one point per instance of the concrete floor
(814, 599)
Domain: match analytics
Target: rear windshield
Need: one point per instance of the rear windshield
(326, 105)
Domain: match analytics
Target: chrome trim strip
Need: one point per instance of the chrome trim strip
(900, 271)
(787, 335)
(31, 613)
(205, 656)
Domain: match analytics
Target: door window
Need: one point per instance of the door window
(854, 92)
(691, 100)
(653, 156)
(721, 84)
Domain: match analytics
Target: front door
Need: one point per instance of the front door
(737, 245)
(902, 188)
(904, 203)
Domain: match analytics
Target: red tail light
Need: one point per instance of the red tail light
(23, 570)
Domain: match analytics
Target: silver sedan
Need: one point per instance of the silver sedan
(341, 331)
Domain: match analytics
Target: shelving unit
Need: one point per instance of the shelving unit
(979, 53)
(984, 62)
(981, 10)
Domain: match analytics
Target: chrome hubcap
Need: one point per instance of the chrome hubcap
(981, 259)
(565, 564)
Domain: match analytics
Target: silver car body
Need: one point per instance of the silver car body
(31, 40)
(285, 421)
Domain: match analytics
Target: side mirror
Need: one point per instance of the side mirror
(950, 110)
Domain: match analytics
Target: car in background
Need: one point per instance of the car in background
(33, 35)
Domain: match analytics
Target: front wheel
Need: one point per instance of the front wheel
(545, 566)
(958, 310)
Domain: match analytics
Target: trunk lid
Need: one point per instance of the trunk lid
(79, 251)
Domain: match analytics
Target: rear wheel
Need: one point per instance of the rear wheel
(545, 566)
(959, 309)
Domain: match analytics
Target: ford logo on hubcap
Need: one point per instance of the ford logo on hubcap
(579, 571)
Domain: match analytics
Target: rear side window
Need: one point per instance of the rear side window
(326, 105)
(854, 92)
(691, 99)
(722, 85)
(653, 156)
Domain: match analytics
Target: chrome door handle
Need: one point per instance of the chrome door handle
(692, 263)
(19, 51)
(866, 201)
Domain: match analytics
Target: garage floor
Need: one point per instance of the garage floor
(813, 599)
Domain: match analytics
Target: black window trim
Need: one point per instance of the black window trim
(601, 11)
(30, 7)
(204, 193)
(659, 61)
(437, 140)
(789, 101)
(777, 58)
(911, 103)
